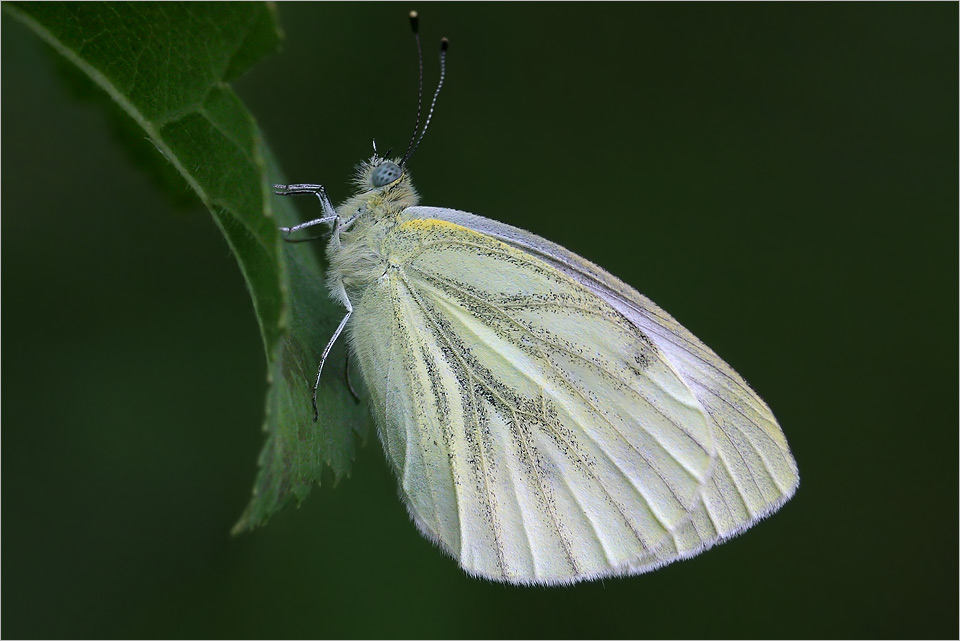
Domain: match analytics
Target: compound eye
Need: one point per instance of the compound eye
(385, 173)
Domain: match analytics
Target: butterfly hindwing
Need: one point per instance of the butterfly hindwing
(538, 434)
(755, 471)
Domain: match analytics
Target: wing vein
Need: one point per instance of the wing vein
(616, 465)
(579, 392)
(690, 346)
(483, 469)
(760, 453)
(598, 284)
(543, 493)
(560, 348)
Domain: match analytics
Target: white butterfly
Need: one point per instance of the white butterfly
(547, 423)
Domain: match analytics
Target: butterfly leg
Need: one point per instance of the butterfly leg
(329, 216)
(329, 213)
(346, 374)
(342, 295)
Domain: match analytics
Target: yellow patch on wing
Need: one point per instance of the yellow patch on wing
(432, 224)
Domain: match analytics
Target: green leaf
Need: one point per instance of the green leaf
(167, 67)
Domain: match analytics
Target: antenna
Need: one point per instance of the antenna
(444, 45)
(415, 27)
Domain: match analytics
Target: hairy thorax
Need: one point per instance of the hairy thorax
(357, 258)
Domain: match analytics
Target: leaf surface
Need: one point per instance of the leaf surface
(167, 67)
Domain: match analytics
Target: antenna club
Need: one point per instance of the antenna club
(414, 22)
(444, 44)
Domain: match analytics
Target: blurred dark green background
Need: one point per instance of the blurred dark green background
(780, 178)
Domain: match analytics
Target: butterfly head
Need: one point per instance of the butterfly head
(385, 181)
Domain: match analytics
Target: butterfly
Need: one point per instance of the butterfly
(546, 422)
